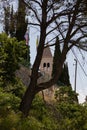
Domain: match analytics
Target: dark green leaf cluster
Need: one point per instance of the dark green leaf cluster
(12, 53)
(66, 94)
(64, 77)
(43, 116)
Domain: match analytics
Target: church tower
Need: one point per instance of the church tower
(46, 69)
(46, 62)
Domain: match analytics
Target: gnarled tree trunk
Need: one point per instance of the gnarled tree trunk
(33, 88)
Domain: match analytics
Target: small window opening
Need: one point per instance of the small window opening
(44, 65)
(48, 65)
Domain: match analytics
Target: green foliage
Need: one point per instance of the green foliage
(20, 20)
(10, 122)
(66, 94)
(72, 116)
(7, 19)
(12, 53)
(64, 77)
(17, 89)
(59, 116)
(57, 56)
(24, 52)
(8, 102)
(14, 22)
(9, 59)
(2, 61)
(41, 110)
(30, 123)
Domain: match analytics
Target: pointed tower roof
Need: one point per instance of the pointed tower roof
(47, 53)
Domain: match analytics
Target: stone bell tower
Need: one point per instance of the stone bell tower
(46, 69)
(46, 62)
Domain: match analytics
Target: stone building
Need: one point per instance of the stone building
(46, 69)
(46, 62)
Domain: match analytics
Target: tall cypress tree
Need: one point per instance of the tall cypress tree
(6, 19)
(64, 77)
(12, 22)
(57, 55)
(21, 22)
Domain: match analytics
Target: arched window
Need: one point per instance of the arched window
(48, 65)
(44, 65)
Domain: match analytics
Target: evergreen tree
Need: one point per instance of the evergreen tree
(12, 53)
(64, 77)
(9, 59)
(6, 19)
(14, 22)
(2, 62)
(57, 54)
(12, 27)
(15, 25)
(21, 22)
(66, 94)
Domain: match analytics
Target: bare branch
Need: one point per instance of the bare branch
(76, 42)
(33, 10)
(34, 24)
(37, 2)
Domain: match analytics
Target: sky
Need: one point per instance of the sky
(81, 82)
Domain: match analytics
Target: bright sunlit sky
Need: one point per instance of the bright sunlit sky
(81, 83)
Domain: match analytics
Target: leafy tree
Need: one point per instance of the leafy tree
(66, 94)
(72, 116)
(15, 25)
(11, 61)
(11, 55)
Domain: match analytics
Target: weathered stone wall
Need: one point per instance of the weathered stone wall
(24, 74)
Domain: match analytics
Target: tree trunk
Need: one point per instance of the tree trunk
(26, 102)
(34, 88)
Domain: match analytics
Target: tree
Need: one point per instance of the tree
(6, 19)
(12, 53)
(12, 26)
(64, 77)
(20, 20)
(63, 20)
(66, 94)
(15, 23)
(57, 55)
(8, 59)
